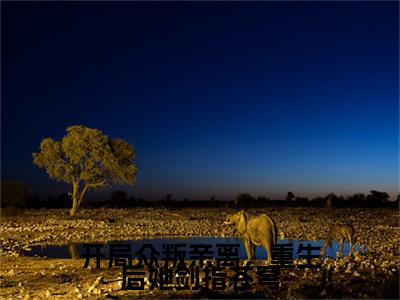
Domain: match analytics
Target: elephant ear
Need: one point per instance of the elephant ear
(242, 224)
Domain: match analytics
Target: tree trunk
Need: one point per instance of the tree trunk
(77, 198)
(329, 202)
(75, 201)
(80, 198)
(74, 208)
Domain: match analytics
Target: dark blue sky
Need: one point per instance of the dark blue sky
(217, 98)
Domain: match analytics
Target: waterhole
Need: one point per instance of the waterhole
(76, 250)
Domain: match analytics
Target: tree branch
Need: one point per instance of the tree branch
(96, 185)
(82, 194)
(87, 186)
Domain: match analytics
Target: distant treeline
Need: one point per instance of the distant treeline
(120, 199)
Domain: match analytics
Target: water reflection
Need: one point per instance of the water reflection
(73, 250)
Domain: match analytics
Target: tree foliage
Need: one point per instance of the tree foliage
(119, 199)
(87, 159)
(13, 193)
(243, 200)
(378, 197)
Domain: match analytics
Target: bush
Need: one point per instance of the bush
(13, 196)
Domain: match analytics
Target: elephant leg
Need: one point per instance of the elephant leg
(247, 244)
(323, 249)
(267, 244)
(351, 244)
(341, 248)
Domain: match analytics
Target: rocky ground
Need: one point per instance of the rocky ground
(374, 274)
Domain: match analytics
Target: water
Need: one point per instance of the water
(75, 250)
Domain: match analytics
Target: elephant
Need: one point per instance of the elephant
(255, 231)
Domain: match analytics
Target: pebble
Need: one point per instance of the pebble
(93, 289)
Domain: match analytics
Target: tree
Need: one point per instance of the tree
(244, 200)
(167, 199)
(263, 201)
(301, 201)
(13, 193)
(290, 196)
(33, 202)
(356, 200)
(87, 159)
(377, 198)
(357, 197)
(63, 200)
(119, 199)
(329, 200)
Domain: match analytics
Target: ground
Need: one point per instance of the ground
(373, 274)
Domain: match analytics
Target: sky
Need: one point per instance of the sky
(217, 98)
